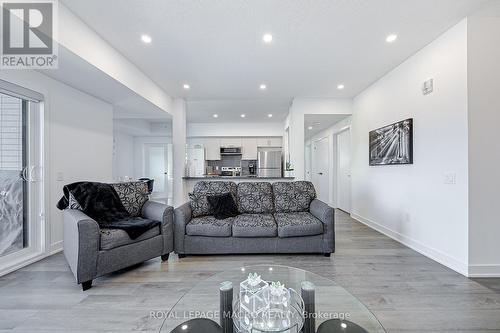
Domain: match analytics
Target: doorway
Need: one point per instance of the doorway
(343, 172)
(157, 167)
(21, 176)
(320, 168)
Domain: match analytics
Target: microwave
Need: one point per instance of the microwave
(230, 150)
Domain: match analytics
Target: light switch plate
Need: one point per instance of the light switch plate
(60, 176)
(428, 87)
(450, 178)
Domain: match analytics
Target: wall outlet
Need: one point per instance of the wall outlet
(60, 176)
(450, 178)
(406, 217)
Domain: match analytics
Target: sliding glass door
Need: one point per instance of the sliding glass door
(21, 205)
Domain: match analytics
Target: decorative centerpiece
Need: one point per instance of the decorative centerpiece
(267, 307)
(253, 303)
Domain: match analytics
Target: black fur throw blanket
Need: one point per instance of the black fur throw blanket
(101, 202)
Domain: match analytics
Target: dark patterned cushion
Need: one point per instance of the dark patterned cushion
(223, 205)
(198, 199)
(199, 205)
(133, 196)
(254, 225)
(255, 198)
(209, 226)
(297, 224)
(293, 196)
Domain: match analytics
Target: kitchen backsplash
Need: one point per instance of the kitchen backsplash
(233, 161)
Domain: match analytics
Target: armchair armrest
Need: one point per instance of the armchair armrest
(182, 215)
(81, 244)
(325, 214)
(164, 213)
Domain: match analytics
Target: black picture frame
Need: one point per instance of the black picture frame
(391, 144)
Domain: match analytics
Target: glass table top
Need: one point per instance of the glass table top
(332, 300)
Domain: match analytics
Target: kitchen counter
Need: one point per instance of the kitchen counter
(234, 177)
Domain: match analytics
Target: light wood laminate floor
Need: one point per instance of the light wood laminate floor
(405, 290)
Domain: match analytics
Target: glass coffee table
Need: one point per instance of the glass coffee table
(332, 302)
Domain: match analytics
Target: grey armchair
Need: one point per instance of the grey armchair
(92, 252)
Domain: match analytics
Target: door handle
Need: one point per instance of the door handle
(320, 173)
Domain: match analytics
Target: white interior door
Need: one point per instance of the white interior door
(320, 169)
(344, 171)
(307, 153)
(157, 167)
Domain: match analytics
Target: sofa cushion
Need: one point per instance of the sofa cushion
(198, 199)
(254, 225)
(209, 226)
(297, 224)
(133, 196)
(112, 238)
(255, 198)
(293, 196)
(199, 205)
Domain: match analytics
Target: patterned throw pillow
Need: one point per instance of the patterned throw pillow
(199, 205)
(133, 196)
(255, 198)
(293, 196)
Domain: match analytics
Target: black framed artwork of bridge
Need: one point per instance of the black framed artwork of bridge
(392, 144)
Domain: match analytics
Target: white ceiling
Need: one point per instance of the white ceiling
(77, 73)
(320, 122)
(216, 46)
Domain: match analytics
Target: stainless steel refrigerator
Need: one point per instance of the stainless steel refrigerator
(269, 162)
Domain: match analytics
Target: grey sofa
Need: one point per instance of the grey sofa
(283, 217)
(92, 251)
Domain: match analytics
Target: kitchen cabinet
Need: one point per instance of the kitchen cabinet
(212, 149)
(230, 142)
(269, 142)
(249, 148)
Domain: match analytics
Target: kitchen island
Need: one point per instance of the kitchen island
(189, 182)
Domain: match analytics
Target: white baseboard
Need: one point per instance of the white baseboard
(440, 257)
(56, 247)
(477, 271)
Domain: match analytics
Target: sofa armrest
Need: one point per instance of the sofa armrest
(182, 215)
(81, 244)
(325, 214)
(164, 213)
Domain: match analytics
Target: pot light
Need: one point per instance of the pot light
(391, 38)
(267, 38)
(310, 128)
(263, 87)
(270, 115)
(146, 39)
(343, 325)
(340, 87)
(186, 86)
(215, 115)
(243, 115)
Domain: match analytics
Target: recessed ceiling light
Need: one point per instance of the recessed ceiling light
(340, 87)
(343, 325)
(267, 38)
(391, 38)
(270, 115)
(146, 39)
(310, 128)
(186, 86)
(215, 115)
(263, 87)
(243, 115)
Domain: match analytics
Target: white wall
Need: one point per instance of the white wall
(330, 133)
(78, 140)
(484, 151)
(235, 129)
(295, 124)
(411, 203)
